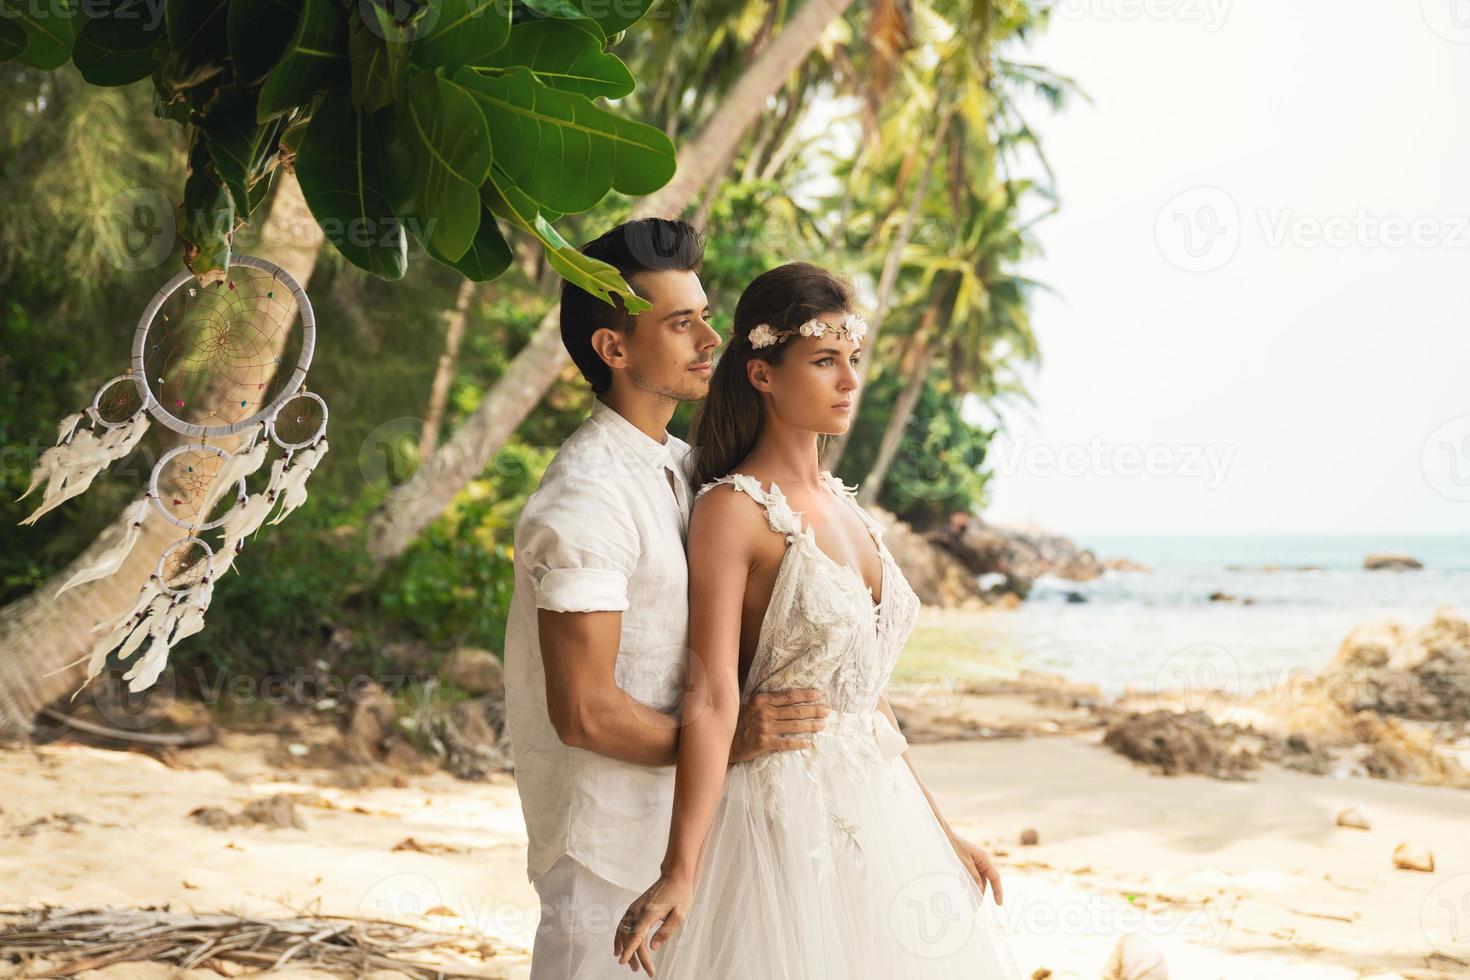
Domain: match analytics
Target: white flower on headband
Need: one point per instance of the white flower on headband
(854, 326)
(763, 336)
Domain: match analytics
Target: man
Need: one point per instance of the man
(595, 647)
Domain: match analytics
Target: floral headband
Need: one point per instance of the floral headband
(854, 326)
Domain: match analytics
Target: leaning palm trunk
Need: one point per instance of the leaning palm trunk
(920, 357)
(444, 372)
(40, 634)
(898, 421)
(837, 447)
(415, 504)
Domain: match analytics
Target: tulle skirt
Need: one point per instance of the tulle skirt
(828, 864)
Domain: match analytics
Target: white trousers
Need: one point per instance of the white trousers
(580, 913)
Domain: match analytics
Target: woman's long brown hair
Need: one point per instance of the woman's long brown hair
(729, 421)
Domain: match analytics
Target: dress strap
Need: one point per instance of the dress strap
(779, 514)
(875, 528)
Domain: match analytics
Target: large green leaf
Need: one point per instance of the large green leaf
(443, 154)
(317, 48)
(610, 18)
(12, 39)
(488, 256)
(206, 218)
(378, 51)
(197, 33)
(48, 28)
(560, 148)
(259, 190)
(461, 32)
(238, 144)
(259, 31)
(117, 47)
(508, 201)
(340, 164)
(563, 55)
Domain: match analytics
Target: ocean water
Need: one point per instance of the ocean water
(1159, 629)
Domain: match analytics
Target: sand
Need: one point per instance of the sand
(1225, 879)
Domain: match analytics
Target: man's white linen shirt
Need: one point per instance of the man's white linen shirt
(603, 531)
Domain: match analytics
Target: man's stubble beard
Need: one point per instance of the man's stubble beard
(693, 394)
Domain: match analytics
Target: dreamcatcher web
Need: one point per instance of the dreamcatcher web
(212, 353)
(209, 363)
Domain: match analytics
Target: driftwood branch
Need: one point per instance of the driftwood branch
(75, 940)
(195, 736)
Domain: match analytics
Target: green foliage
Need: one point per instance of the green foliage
(393, 112)
(453, 586)
(282, 596)
(938, 468)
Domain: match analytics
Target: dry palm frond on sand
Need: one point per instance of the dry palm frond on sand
(74, 940)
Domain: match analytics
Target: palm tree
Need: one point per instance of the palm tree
(416, 503)
(959, 105)
(975, 311)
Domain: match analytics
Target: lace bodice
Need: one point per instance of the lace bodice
(822, 629)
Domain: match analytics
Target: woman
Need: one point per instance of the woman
(831, 862)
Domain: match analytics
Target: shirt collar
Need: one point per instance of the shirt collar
(643, 446)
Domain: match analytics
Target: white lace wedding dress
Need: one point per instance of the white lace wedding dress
(827, 863)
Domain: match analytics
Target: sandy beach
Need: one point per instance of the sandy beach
(1223, 879)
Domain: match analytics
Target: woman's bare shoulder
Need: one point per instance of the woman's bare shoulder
(728, 523)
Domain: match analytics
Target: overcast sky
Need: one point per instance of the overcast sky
(1263, 256)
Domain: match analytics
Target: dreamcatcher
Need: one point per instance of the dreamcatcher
(206, 363)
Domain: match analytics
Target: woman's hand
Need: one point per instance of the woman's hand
(667, 900)
(978, 863)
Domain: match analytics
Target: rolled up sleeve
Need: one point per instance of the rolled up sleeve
(579, 549)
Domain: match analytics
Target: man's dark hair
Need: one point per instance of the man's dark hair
(645, 245)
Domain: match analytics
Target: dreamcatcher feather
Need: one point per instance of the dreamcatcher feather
(189, 343)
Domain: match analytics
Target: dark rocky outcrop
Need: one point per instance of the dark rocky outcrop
(1179, 742)
(1419, 673)
(937, 576)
